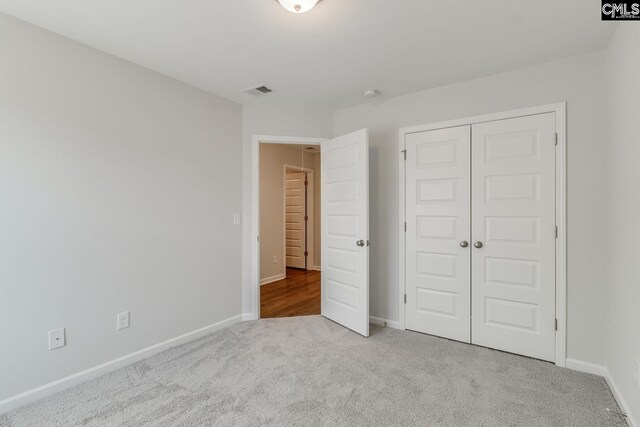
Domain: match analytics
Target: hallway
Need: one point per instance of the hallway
(297, 295)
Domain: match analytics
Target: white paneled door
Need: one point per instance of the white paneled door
(295, 230)
(438, 232)
(513, 202)
(345, 231)
(480, 237)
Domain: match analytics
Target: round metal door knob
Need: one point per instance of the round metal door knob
(360, 243)
(464, 244)
(478, 244)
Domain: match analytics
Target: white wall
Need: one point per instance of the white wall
(623, 204)
(577, 80)
(117, 186)
(273, 158)
(265, 120)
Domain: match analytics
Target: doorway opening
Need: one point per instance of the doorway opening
(290, 240)
(344, 214)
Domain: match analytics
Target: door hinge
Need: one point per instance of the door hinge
(405, 227)
(405, 298)
(556, 138)
(306, 218)
(306, 253)
(404, 153)
(306, 183)
(556, 231)
(556, 324)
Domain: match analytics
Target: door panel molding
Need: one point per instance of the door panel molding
(524, 148)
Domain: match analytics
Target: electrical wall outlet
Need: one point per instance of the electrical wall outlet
(123, 320)
(57, 339)
(275, 259)
(236, 219)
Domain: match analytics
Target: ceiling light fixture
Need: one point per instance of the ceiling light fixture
(298, 6)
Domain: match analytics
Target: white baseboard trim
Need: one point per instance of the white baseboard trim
(380, 321)
(588, 367)
(272, 279)
(96, 371)
(249, 316)
(602, 371)
(631, 420)
(316, 268)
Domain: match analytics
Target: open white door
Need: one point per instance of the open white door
(345, 230)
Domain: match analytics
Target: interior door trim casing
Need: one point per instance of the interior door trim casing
(559, 109)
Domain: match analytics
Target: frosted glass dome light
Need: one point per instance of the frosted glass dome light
(298, 6)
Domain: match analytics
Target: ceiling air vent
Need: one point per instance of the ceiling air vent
(258, 90)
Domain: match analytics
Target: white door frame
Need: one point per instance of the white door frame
(255, 207)
(309, 207)
(560, 109)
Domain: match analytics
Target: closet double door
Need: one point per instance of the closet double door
(480, 234)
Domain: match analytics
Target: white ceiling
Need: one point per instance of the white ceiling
(326, 57)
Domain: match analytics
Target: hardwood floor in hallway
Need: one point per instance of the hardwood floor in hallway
(297, 295)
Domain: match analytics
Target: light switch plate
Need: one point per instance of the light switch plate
(236, 219)
(57, 339)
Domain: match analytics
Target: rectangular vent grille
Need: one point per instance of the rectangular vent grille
(258, 90)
